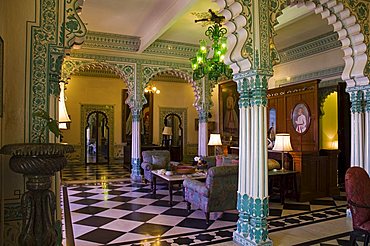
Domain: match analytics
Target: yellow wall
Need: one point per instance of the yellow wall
(175, 95)
(14, 16)
(329, 123)
(92, 90)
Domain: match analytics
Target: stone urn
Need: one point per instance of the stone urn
(38, 163)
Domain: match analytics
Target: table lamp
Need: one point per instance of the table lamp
(215, 140)
(167, 131)
(282, 143)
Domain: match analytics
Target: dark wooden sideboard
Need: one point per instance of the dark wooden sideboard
(317, 173)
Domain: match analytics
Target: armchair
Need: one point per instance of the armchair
(218, 193)
(357, 184)
(152, 160)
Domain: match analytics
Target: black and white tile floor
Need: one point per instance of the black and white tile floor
(128, 214)
(89, 173)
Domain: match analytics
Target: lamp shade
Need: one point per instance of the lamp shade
(215, 139)
(167, 130)
(282, 142)
(63, 126)
(63, 115)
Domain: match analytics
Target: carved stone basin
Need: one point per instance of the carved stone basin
(38, 162)
(37, 159)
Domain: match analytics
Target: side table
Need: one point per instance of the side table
(284, 178)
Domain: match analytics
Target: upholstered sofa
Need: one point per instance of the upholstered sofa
(152, 160)
(218, 193)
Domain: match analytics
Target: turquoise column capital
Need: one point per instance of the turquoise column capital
(136, 113)
(203, 116)
(357, 99)
(367, 100)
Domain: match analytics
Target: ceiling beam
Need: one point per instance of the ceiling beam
(157, 28)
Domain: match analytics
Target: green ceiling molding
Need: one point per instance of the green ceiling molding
(80, 55)
(97, 73)
(110, 41)
(326, 73)
(310, 47)
(171, 48)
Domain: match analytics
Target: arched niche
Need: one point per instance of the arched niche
(86, 111)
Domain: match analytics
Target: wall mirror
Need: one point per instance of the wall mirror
(97, 138)
(174, 140)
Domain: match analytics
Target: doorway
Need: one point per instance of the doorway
(97, 138)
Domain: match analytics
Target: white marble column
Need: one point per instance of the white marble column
(135, 146)
(203, 133)
(367, 131)
(357, 127)
(253, 187)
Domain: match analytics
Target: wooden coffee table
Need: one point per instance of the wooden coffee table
(174, 179)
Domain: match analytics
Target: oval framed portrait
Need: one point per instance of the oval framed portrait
(301, 118)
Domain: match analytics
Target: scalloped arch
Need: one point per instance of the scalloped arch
(337, 15)
(350, 35)
(100, 65)
(180, 74)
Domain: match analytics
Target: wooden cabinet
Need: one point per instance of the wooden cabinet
(317, 173)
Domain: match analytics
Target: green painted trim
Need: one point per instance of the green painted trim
(118, 42)
(110, 41)
(252, 223)
(316, 45)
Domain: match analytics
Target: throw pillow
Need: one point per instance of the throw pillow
(159, 161)
(273, 164)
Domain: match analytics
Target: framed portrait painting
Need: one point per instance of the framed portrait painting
(229, 112)
(301, 118)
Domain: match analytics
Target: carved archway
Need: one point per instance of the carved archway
(349, 33)
(179, 74)
(344, 21)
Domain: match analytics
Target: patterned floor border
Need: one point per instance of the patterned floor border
(225, 234)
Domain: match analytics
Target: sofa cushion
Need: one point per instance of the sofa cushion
(273, 164)
(159, 161)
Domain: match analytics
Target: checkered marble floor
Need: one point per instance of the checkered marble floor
(75, 173)
(128, 214)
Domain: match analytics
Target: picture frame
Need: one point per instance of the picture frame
(301, 118)
(229, 112)
(146, 119)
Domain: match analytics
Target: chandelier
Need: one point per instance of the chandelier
(210, 61)
(152, 89)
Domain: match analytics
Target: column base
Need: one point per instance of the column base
(241, 240)
(136, 178)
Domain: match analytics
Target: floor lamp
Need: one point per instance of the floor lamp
(282, 143)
